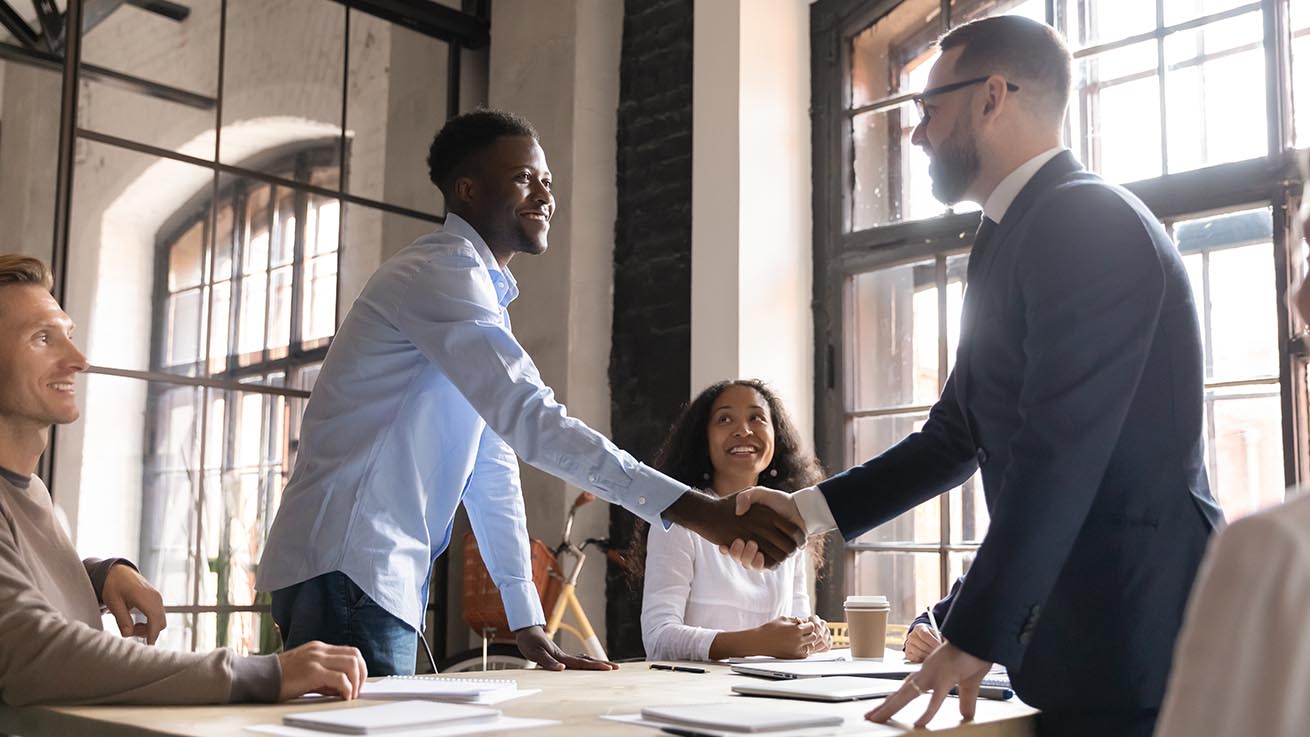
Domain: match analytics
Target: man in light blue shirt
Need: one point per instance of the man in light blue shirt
(423, 402)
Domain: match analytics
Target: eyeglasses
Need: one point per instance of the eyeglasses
(921, 99)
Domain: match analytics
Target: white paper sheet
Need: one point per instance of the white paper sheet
(502, 724)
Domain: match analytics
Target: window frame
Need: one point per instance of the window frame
(839, 252)
(297, 163)
(466, 33)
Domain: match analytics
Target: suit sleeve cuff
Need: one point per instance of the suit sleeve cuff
(522, 605)
(814, 510)
(256, 678)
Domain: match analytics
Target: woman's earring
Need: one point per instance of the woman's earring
(705, 476)
(773, 473)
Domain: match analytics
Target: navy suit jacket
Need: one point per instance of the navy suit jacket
(1078, 390)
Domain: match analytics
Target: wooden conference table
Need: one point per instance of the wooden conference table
(577, 699)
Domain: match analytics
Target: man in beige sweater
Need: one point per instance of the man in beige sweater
(53, 649)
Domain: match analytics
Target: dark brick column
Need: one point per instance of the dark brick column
(650, 359)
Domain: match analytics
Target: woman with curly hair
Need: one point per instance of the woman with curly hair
(699, 604)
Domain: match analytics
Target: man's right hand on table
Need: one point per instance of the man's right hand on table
(338, 670)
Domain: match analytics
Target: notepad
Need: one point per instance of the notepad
(732, 716)
(401, 715)
(434, 688)
(836, 688)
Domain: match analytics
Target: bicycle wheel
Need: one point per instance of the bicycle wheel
(500, 656)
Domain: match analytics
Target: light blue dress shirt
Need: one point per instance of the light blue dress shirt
(422, 402)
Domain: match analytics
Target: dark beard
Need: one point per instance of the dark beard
(954, 166)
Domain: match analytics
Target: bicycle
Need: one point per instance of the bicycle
(485, 613)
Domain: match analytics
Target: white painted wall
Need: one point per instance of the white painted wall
(557, 64)
(751, 225)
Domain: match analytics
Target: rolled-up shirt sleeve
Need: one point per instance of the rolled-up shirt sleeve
(449, 311)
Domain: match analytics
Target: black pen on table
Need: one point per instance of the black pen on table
(677, 668)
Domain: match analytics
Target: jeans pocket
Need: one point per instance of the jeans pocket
(355, 597)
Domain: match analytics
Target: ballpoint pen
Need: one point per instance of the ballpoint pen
(932, 622)
(677, 668)
(999, 693)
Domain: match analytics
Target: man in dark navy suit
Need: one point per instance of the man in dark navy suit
(1078, 391)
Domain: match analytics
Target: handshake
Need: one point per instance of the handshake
(758, 527)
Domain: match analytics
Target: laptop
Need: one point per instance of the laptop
(886, 668)
(835, 688)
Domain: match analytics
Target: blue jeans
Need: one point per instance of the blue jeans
(331, 608)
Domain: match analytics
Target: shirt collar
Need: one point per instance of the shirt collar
(15, 478)
(507, 288)
(1003, 196)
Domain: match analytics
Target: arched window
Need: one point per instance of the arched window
(255, 304)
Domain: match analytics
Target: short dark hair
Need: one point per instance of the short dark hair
(19, 269)
(452, 151)
(1030, 53)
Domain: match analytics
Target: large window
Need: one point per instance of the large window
(1195, 104)
(263, 289)
(222, 177)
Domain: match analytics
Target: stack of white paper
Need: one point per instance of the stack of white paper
(397, 717)
(436, 688)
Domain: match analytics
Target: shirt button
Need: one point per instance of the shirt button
(982, 456)
(641, 500)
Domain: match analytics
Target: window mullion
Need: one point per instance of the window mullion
(299, 261)
(1162, 86)
(943, 356)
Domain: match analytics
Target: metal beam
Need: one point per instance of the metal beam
(46, 60)
(9, 18)
(169, 10)
(52, 24)
(429, 19)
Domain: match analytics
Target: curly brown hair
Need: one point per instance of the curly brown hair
(685, 456)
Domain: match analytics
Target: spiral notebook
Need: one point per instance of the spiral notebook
(437, 688)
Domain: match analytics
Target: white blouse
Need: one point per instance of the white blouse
(693, 592)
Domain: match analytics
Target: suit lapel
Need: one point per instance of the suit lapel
(974, 310)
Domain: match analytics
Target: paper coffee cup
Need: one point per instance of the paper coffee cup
(866, 624)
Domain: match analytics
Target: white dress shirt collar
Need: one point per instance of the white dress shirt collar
(507, 287)
(1003, 196)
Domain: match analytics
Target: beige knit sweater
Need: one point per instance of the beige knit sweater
(53, 649)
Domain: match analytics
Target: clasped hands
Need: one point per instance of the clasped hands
(748, 526)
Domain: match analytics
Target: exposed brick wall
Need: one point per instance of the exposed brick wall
(650, 358)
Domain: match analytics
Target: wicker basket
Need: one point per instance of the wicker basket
(483, 609)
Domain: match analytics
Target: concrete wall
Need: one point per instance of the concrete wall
(567, 85)
(751, 276)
